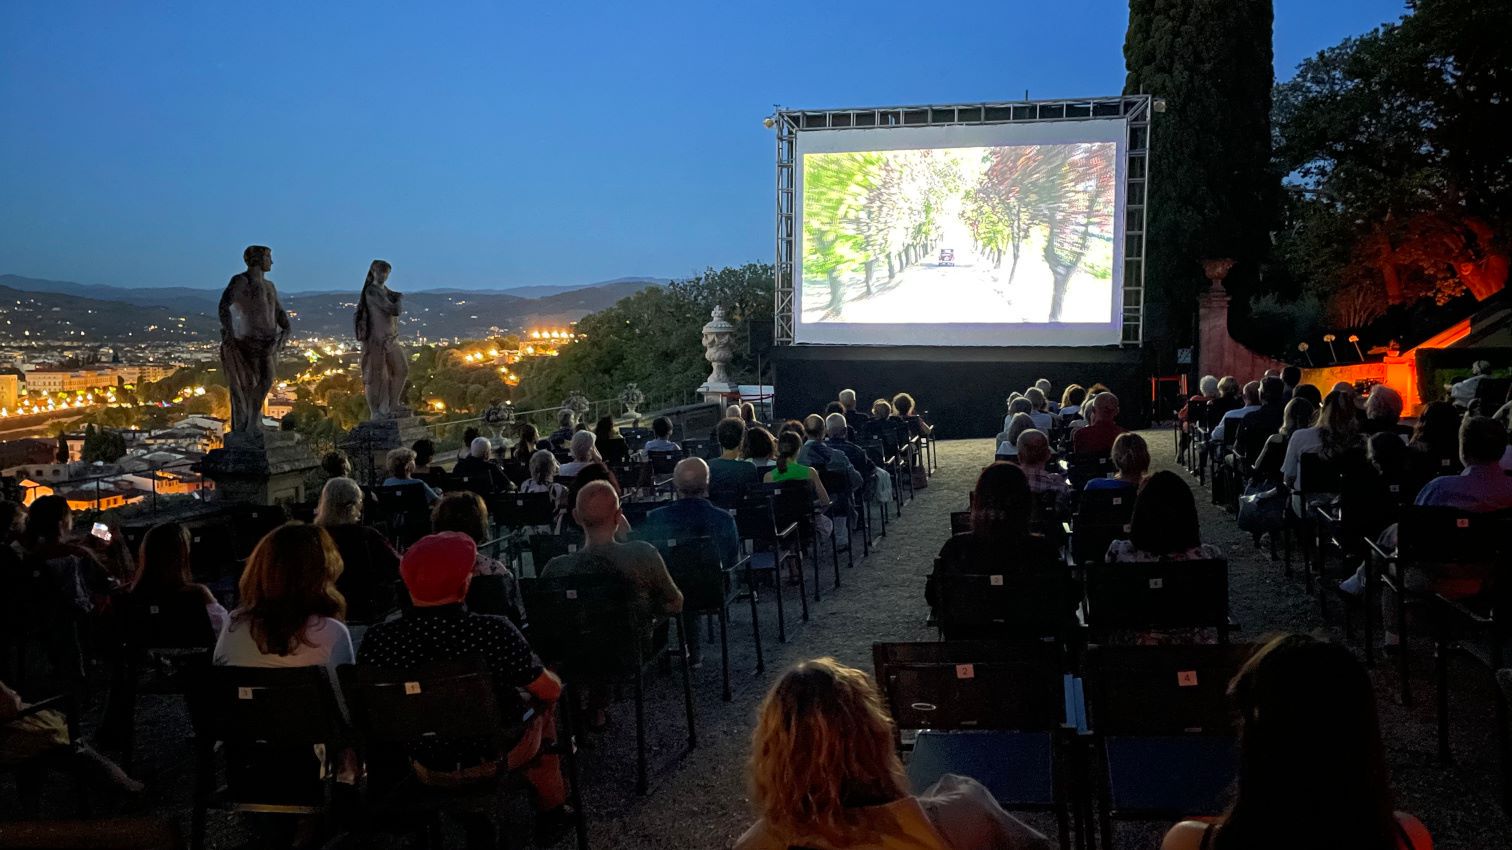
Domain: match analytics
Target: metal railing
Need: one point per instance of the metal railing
(94, 486)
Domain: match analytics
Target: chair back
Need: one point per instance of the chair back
(1102, 516)
(792, 501)
(755, 518)
(693, 563)
(212, 548)
(250, 524)
(1162, 690)
(635, 438)
(1157, 595)
(705, 449)
(449, 700)
(1319, 474)
(293, 706)
(1438, 535)
(663, 462)
(633, 475)
(972, 684)
(405, 509)
(960, 522)
(1081, 468)
(522, 510)
(614, 451)
(837, 485)
(165, 621)
(1026, 604)
(583, 624)
(489, 595)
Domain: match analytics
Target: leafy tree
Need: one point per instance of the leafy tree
(1212, 193)
(1399, 162)
(101, 445)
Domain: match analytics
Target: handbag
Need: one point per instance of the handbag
(1262, 508)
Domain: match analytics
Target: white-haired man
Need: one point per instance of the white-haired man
(856, 419)
(583, 453)
(836, 428)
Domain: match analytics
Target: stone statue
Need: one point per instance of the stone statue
(719, 347)
(384, 368)
(253, 327)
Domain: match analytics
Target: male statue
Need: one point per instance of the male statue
(253, 327)
(384, 368)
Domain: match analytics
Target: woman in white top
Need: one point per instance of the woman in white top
(824, 775)
(291, 613)
(162, 573)
(583, 452)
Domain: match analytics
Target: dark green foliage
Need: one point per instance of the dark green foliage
(101, 445)
(1212, 191)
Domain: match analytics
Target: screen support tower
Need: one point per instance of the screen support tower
(1134, 109)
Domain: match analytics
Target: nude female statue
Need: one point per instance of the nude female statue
(384, 368)
(253, 327)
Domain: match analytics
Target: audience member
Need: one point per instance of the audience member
(437, 572)
(1007, 447)
(611, 447)
(596, 471)
(1291, 377)
(788, 468)
(425, 451)
(1434, 447)
(825, 774)
(636, 563)
(526, 446)
(543, 472)
(1097, 438)
(1298, 414)
(1017, 404)
(661, 441)
(838, 441)
(881, 410)
(370, 566)
(853, 417)
(566, 421)
(730, 472)
(67, 582)
(42, 739)
(1303, 783)
(291, 612)
(1462, 392)
(335, 465)
(1309, 392)
(1250, 395)
(583, 453)
(1071, 401)
(1482, 486)
(401, 473)
(478, 468)
(1336, 437)
(1383, 410)
(1039, 409)
(693, 515)
(1165, 526)
(1044, 386)
(760, 448)
(1228, 399)
(469, 434)
(748, 414)
(163, 574)
(999, 540)
(904, 404)
(1258, 425)
(1033, 456)
(1131, 459)
(466, 513)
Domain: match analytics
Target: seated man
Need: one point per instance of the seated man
(730, 472)
(838, 442)
(661, 429)
(652, 591)
(820, 456)
(1051, 404)
(401, 473)
(853, 417)
(1258, 425)
(478, 468)
(437, 571)
(1224, 431)
(1097, 438)
(693, 515)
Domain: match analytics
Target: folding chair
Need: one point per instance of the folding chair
(1023, 604)
(663, 462)
(1158, 596)
(1162, 733)
(793, 503)
(708, 587)
(459, 700)
(1102, 516)
(584, 627)
(167, 638)
(772, 548)
(269, 722)
(990, 710)
(1081, 468)
(960, 522)
(842, 509)
(406, 512)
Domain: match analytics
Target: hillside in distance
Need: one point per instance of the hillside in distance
(62, 309)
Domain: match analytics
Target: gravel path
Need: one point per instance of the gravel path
(698, 798)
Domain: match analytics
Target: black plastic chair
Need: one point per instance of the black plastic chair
(771, 548)
(1081, 468)
(1102, 516)
(663, 462)
(269, 721)
(1023, 605)
(1162, 732)
(1158, 595)
(459, 700)
(842, 509)
(583, 626)
(708, 587)
(403, 508)
(990, 710)
(165, 643)
(793, 503)
(960, 522)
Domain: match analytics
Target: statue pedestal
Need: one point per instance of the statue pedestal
(260, 472)
(369, 443)
(717, 393)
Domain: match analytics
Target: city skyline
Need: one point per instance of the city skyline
(491, 148)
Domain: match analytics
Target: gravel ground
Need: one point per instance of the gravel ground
(698, 797)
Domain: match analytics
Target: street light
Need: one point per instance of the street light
(1354, 340)
(1329, 338)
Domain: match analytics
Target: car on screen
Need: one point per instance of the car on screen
(947, 256)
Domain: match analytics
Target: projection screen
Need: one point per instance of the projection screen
(993, 235)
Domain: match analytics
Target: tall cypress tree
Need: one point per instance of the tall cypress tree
(1212, 191)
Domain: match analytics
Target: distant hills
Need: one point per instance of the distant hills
(53, 309)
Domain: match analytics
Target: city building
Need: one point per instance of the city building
(10, 391)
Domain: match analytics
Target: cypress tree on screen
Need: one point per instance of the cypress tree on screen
(1212, 191)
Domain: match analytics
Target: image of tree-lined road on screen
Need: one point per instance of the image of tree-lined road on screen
(1012, 234)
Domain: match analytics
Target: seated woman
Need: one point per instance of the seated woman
(789, 469)
(592, 472)
(369, 579)
(611, 446)
(825, 775)
(1164, 526)
(881, 410)
(1434, 447)
(525, 447)
(466, 513)
(1071, 402)
(401, 473)
(291, 613)
(904, 404)
(1299, 414)
(1305, 783)
(999, 540)
(1007, 442)
(543, 472)
(163, 573)
(1131, 457)
(760, 448)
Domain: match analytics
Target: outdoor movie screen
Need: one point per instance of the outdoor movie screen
(998, 235)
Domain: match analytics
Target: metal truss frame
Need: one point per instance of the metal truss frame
(1135, 109)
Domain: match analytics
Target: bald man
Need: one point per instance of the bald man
(1097, 438)
(693, 515)
(652, 591)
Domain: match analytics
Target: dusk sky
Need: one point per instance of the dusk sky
(481, 144)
